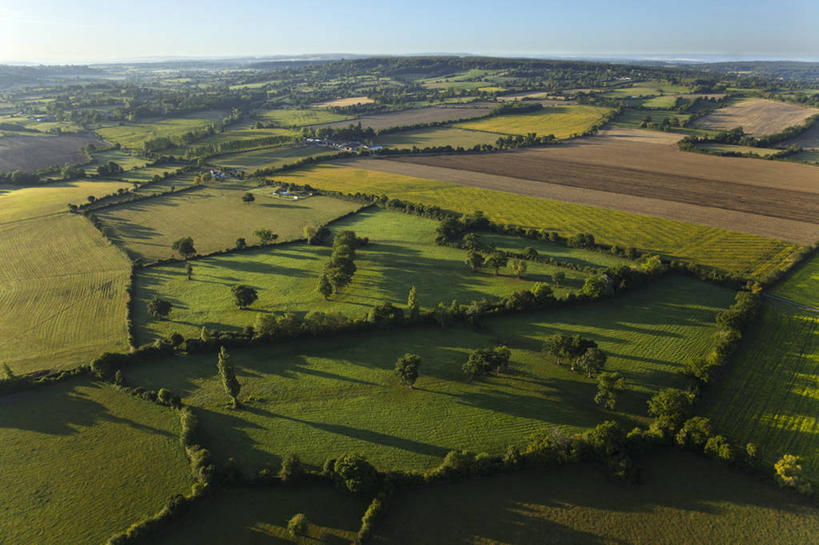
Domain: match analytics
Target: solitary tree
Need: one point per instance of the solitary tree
(519, 267)
(558, 277)
(608, 384)
(241, 243)
(406, 369)
(557, 346)
(244, 296)
(265, 236)
(529, 253)
(159, 308)
(248, 198)
(789, 473)
(473, 260)
(185, 247)
(592, 361)
(325, 288)
(412, 303)
(496, 261)
(228, 376)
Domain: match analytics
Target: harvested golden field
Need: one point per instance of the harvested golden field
(52, 198)
(561, 121)
(63, 295)
(32, 153)
(746, 254)
(417, 116)
(343, 102)
(756, 116)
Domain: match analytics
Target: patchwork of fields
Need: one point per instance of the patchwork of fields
(132, 135)
(438, 137)
(416, 116)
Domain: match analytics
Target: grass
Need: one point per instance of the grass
(745, 254)
(561, 121)
(295, 117)
(123, 158)
(661, 102)
(132, 135)
(648, 88)
(437, 137)
(258, 516)
(241, 134)
(323, 397)
(730, 148)
(682, 499)
(82, 461)
(802, 285)
(806, 156)
(402, 253)
(50, 199)
(769, 395)
(64, 294)
(215, 217)
(265, 158)
(633, 118)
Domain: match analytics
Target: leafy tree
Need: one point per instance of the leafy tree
(592, 361)
(297, 525)
(248, 197)
(291, 469)
(406, 369)
(325, 288)
(484, 360)
(496, 261)
(473, 260)
(265, 236)
(530, 253)
(558, 277)
(412, 303)
(594, 286)
(558, 346)
(314, 234)
(355, 474)
(519, 267)
(789, 473)
(159, 308)
(694, 433)
(244, 296)
(670, 406)
(608, 384)
(576, 347)
(228, 376)
(719, 447)
(241, 243)
(184, 246)
(542, 292)
(176, 339)
(448, 230)
(385, 312)
(472, 243)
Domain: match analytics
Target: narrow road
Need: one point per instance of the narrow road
(793, 303)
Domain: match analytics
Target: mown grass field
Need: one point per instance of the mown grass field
(241, 134)
(769, 394)
(273, 157)
(561, 121)
(258, 516)
(82, 461)
(123, 158)
(730, 148)
(633, 117)
(64, 294)
(401, 253)
(300, 117)
(50, 199)
(745, 254)
(214, 216)
(648, 88)
(682, 498)
(323, 397)
(132, 135)
(438, 137)
(802, 285)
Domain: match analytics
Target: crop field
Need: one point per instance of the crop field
(749, 255)
(243, 134)
(756, 116)
(437, 137)
(295, 117)
(123, 158)
(731, 148)
(64, 294)
(344, 102)
(681, 498)
(274, 157)
(769, 396)
(259, 515)
(30, 153)
(808, 139)
(807, 156)
(632, 118)
(338, 394)
(401, 254)
(561, 121)
(50, 199)
(647, 88)
(432, 114)
(86, 461)
(214, 216)
(132, 135)
(661, 102)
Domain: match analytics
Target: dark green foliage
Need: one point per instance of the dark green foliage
(484, 360)
(497, 261)
(385, 313)
(719, 447)
(355, 474)
(474, 260)
(244, 296)
(413, 306)
(591, 361)
(297, 525)
(109, 169)
(248, 197)
(241, 243)
(231, 385)
(670, 406)
(265, 236)
(341, 267)
(184, 246)
(292, 469)
(325, 288)
(608, 384)
(694, 433)
(159, 308)
(406, 369)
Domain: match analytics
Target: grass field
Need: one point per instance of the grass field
(561, 121)
(132, 135)
(660, 102)
(64, 294)
(294, 117)
(402, 253)
(343, 102)
(633, 118)
(769, 394)
(802, 285)
(745, 254)
(438, 136)
(731, 148)
(647, 88)
(756, 116)
(273, 157)
(123, 158)
(323, 397)
(50, 199)
(82, 461)
(682, 499)
(245, 133)
(258, 516)
(214, 216)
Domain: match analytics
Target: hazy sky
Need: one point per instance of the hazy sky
(84, 30)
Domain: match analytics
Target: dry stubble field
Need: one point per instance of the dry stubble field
(756, 116)
(435, 114)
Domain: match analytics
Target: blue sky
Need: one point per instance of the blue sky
(83, 30)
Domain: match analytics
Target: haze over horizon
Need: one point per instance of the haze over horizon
(89, 31)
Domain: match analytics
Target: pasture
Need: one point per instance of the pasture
(344, 102)
(31, 153)
(632, 118)
(731, 148)
(756, 116)
(51, 199)
(745, 254)
(682, 498)
(273, 157)
(647, 88)
(132, 135)
(63, 300)
(86, 461)
(437, 137)
(561, 121)
(808, 139)
(416, 116)
(401, 254)
(301, 117)
(214, 216)
(123, 158)
(327, 396)
(769, 393)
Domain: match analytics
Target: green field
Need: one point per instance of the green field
(50, 199)
(802, 285)
(258, 516)
(648, 88)
(82, 461)
(132, 135)
(273, 157)
(123, 158)
(401, 253)
(323, 397)
(730, 148)
(741, 253)
(247, 133)
(681, 499)
(660, 102)
(214, 216)
(769, 396)
(561, 121)
(437, 137)
(295, 117)
(633, 118)
(63, 294)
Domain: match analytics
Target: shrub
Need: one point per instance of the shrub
(355, 474)
(789, 474)
(292, 468)
(297, 525)
(718, 447)
(695, 432)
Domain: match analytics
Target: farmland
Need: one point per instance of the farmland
(86, 461)
(561, 121)
(741, 253)
(64, 294)
(801, 285)
(51, 199)
(401, 254)
(343, 102)
(215, 217)
(808, 139)
(647, 88)
(339, 394)
(681, 499)
(757, 117)
(132, 135)
(294, 117)
(417, 116)
(437, 137)
(31, 153)
(273, 157)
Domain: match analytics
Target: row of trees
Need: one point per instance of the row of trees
(339, 271)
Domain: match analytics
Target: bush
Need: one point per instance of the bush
(355, 474)
(292, 468)
(694, 433)
(789, 474)
(297, 525)
(718, 447)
